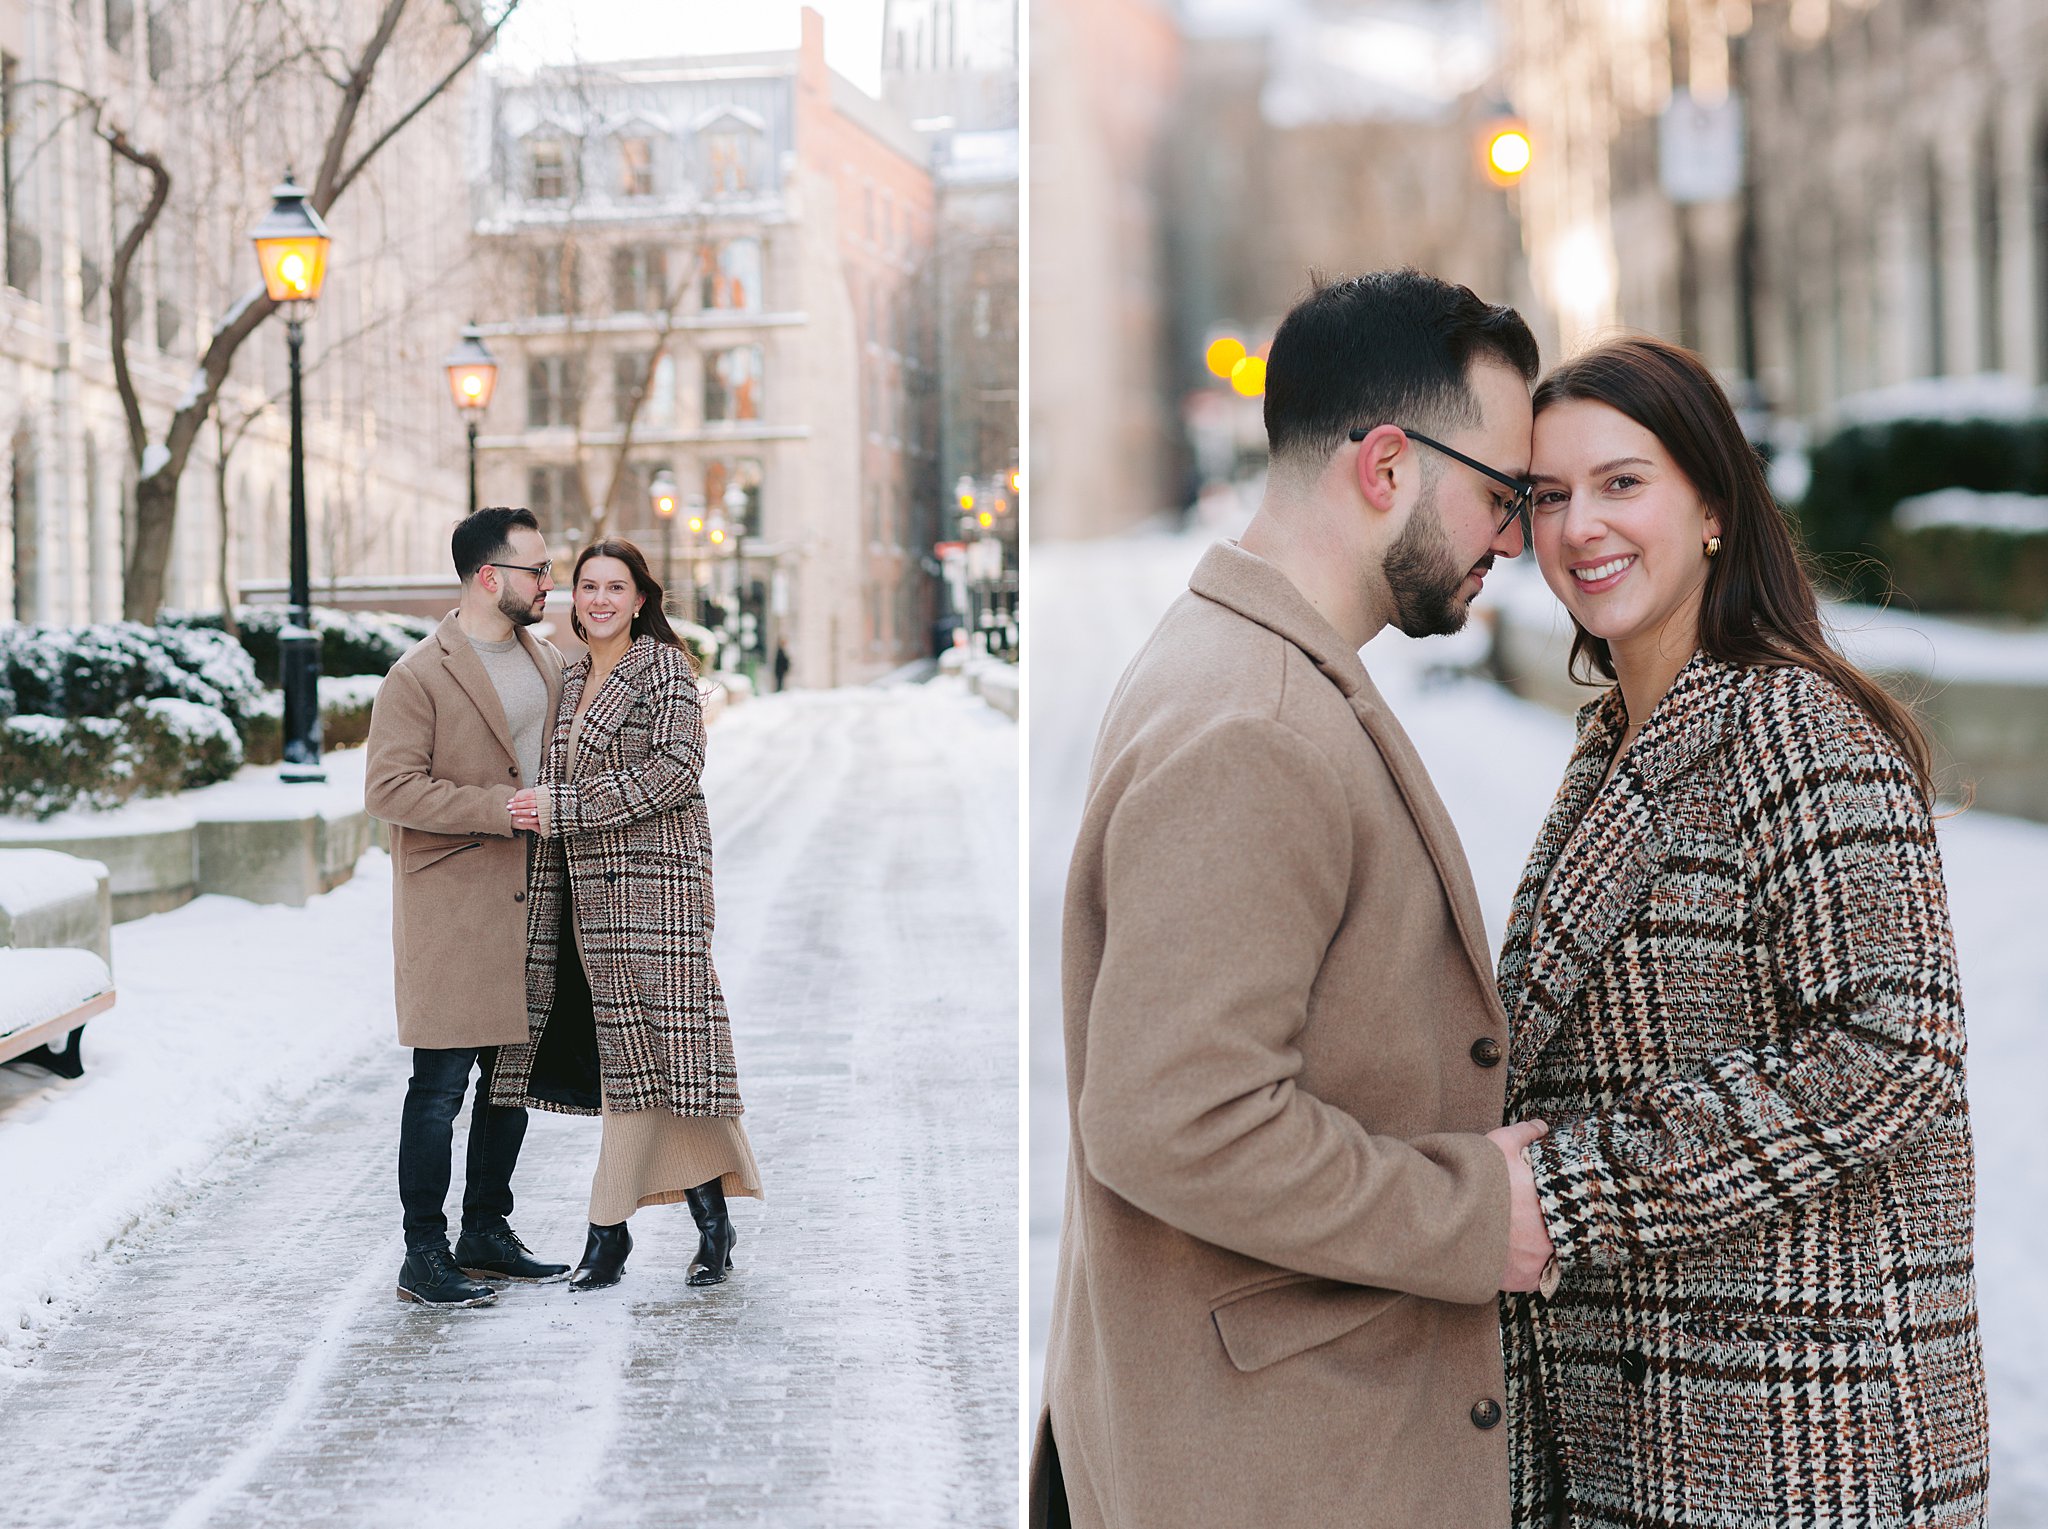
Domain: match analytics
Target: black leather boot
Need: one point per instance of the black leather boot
(499, 1254)
(714, 1244)
(429, 1276)
(604, 1258)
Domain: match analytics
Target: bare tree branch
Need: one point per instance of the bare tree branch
(124, 260)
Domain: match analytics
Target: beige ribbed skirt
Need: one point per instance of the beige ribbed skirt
(649, 1157)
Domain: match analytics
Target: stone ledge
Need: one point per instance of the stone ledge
(50, 900)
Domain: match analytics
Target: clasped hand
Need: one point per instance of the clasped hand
(525, 805)
(1529, 1249)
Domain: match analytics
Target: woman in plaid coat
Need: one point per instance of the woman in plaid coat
(1733, 997)
(625, 1015)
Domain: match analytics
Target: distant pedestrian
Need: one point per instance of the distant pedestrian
(1732, 988)
(627, 1018)
(455, 731)
(781, 666)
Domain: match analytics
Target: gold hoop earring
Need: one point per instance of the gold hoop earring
(1713, 546)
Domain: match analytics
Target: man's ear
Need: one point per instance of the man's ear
(1374, 468)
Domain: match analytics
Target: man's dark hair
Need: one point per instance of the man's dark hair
(485, 536)
(1386, 348)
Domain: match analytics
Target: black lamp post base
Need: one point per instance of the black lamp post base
(299, 665)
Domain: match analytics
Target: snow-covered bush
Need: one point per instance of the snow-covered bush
(202, 739)
(1863, 470)
(351, 642)
(344, 717)
(48, 764)
(93, 671)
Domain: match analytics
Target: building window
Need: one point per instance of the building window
(1990, 349)
(162, 43)
(120, 24)
(554, 280)
(636, 156)
(555, 495)
(629, 379)
(168, 322)
(1935, 289)
(732, 384)
(90, 283)
(731, 274)
(24, 251)
(729, 161)
(639, 279)
(547, 170)
(553, 384)
(721, 474)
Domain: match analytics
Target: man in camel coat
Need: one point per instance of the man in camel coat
(457, 729)
(1290, 1204)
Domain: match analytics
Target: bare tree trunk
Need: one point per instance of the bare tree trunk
(220, 486)
(159, 470)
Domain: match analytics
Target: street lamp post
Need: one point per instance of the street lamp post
(291, 247)
(663, 492)
(472, 377)
(736, 517)
(695, 526)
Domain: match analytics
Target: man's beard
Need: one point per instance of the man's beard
(1423, 575)
(519, 612)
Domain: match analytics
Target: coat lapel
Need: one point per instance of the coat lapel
(613, 701)
(461, 661)
(1607, 846)
(1258, 591)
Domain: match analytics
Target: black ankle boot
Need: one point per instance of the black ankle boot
(604, 1258)
(714, 1246)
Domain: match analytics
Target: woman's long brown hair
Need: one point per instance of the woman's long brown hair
(651, 620)
(1759, 607)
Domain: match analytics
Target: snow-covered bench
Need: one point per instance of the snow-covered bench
(54, 914)
(48, 994)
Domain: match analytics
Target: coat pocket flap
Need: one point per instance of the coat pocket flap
(1271, 1322)
(423, 849)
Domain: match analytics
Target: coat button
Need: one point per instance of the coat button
(1634, 1366)
(513, 771)
(1486, 1051)
(611, 875)
(519, 897)
(1486, 1414)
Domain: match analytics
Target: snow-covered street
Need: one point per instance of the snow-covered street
(1496, 761)
(197, 1322)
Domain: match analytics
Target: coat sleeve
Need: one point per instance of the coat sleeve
(398, 784)
(662, 782)
(1224, 875)
(1848, 887)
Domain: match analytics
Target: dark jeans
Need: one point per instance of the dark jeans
(426, 1140)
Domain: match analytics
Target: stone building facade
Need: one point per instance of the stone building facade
(383, 448)
(1889, 219)
(718, 269)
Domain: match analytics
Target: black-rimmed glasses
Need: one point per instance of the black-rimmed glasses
(542, 570)
(1518, 506)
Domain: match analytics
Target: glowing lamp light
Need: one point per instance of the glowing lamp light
(986, 519)
(696, 525)
(1248, 377)
(472, 373)
(966, 501)
(1223, 355)
(291, 246)
(663, 493)
(1506, 151)
(1016, 480)
(717, 536)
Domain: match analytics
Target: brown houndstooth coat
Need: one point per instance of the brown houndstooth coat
(630, 832)
(1739, 1011)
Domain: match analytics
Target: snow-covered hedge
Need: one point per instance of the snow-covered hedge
(94, 671)
(1862, 471)
(344, 717)
(151, 747)
(351, 642)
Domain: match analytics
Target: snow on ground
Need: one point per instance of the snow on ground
(201, 1234)
(1496, 761)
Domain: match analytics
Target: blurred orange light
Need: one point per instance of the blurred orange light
(1224, 354)
(1248, 377)
(717, 537)
(1509, 152)
(696, 524)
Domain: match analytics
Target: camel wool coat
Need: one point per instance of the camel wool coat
(440, 771)
(1738, 1010)
(1284, 1230)
(629, 836)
